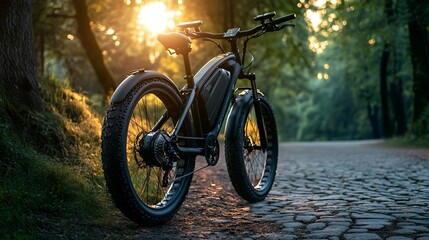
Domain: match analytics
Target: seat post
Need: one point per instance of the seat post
(189, 77)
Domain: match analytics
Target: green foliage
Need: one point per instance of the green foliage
(420, 128)
(349, 40)
(418, 136)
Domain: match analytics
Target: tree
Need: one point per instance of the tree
(384, 63)
(92, 48)
(419, 45)
(17, 57)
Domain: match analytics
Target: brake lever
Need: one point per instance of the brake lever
(275, 27)
(285, 25)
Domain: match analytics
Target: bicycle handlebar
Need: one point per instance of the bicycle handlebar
(284, 18)
(244, 33)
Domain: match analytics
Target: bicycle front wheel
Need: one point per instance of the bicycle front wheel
(139, 172)
(251, 168)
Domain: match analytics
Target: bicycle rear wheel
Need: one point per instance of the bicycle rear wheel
(251, 169)
(138, 162)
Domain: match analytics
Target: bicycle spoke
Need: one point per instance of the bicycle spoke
(254, 157)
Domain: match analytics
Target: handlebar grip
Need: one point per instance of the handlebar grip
(284, 18)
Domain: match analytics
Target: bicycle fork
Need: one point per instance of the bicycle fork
(258, 110)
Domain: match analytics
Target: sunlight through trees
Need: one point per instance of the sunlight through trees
(336, 44)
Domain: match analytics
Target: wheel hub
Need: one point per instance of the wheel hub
(248, 144)
(154, 149)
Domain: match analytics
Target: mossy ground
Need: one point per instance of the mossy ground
(50, 169)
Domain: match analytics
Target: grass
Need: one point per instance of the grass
(408, 141)
(418, 136)
(50, 169)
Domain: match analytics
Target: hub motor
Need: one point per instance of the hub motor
(155, 148)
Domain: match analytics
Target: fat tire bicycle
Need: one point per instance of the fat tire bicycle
(152, 131)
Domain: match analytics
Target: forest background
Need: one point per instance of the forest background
(348, 70)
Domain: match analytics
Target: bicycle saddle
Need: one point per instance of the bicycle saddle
(179, 42)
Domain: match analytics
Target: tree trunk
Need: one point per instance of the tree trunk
(17, 58)
(398, 109)
(397, 98)
(420, 59)
(419, 48)
(228, 14)
(384, 95)
(372, 113)
(92, 48)
(387, 129)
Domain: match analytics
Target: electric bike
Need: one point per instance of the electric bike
(153, 131)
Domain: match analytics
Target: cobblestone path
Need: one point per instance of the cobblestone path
(349, 190)
(332, 190)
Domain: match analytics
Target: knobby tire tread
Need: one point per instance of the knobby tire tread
(235, 158)
(115, 170)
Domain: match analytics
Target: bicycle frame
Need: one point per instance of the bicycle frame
(225, 61)
(232, 62)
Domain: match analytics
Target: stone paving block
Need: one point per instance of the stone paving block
(373, 222)
(361, 236)
(372, 216)
(398, 238)
(373, 227)
(418, 228)
(404, 215)
(288, 230)
(318, 235)
(333, 219)
(277, 237)
(306, 218)
(357, 230)
(286, 237)
(420, 221)
(347, 224)
(336, 229)
(404, 231)
(293, 225)
(402, 224)
(315, 226)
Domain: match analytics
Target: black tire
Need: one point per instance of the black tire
(251, 170)
(134, 184)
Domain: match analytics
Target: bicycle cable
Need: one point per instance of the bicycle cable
(249, 66)
(186, 175)
(217, 44)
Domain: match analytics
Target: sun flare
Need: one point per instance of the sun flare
(314, 18)
(155, 17)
